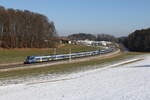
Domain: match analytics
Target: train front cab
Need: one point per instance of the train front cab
(32, 59)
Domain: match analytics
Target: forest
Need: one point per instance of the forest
(139, 40)
(25, 29)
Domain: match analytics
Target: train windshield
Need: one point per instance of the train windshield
(30, 58)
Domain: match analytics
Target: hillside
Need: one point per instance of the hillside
(121, 83)
(25, 29)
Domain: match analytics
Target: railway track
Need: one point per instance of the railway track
(45, 64)
(25, 65)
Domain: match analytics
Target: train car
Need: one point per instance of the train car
(37, 59)
(102, 51)
(62, 56)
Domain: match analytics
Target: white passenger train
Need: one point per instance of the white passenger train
(37, 59)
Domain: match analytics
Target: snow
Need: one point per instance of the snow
(124, 82)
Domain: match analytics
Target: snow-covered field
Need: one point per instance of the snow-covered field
(125, 82)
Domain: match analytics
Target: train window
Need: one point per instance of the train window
(44, 58)
(37, 58)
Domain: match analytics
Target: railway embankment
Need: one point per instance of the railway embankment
(63, 68)
(20, 66)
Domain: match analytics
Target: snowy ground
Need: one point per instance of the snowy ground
(126, 82)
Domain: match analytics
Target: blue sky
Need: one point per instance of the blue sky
(116, 17)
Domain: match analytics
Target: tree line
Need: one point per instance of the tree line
(25, 29)
(139, 40)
